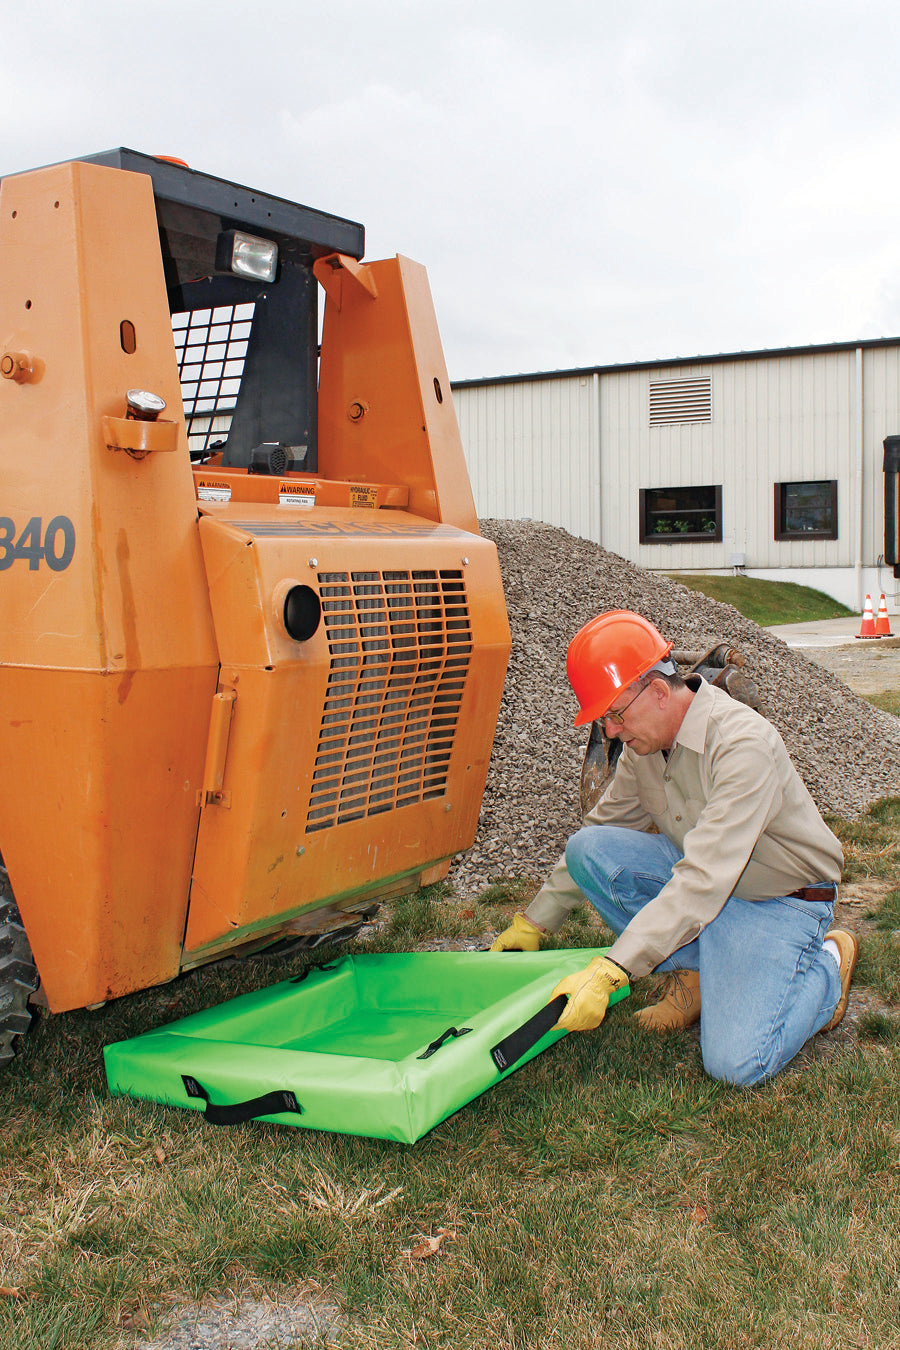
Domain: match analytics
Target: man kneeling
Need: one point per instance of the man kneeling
(733, 897)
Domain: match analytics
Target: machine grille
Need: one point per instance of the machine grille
(400, 644)
(210, 345)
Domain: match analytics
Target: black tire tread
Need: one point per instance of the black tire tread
(18, 973)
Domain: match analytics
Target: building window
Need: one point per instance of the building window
(806, 510)
(673, 401)
(680, 515)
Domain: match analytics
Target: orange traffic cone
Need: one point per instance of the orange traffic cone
(867, 627)
(882, 622)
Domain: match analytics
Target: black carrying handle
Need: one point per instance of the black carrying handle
(316, 965)
(269, 1104)
(520, 1041)
(444, 1036)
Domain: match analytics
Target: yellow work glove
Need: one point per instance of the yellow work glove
(521, 936)
(588, 991)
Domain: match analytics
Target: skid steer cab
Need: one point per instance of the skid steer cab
(253, 644)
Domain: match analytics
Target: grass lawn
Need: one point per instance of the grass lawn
(607, 1194)
(766, 602)
(888, 701)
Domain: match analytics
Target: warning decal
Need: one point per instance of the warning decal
(296, 494)
(363, 495)
(213, 490)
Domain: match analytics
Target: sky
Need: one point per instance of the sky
(587, 183)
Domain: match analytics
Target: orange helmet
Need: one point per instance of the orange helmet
(607, 655)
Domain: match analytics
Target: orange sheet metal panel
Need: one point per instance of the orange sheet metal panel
(358, 755)
(385, 406)
(99, 840)
(107, 654)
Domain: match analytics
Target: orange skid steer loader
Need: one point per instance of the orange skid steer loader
(252, 644)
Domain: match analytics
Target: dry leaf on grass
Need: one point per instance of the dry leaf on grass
(696, 1213)
(429, 1246)
(9, 1291)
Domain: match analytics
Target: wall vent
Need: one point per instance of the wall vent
(400, 644)
(673, 401)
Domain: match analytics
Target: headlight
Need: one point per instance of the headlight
(246, 255)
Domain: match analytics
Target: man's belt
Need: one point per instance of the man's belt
(825, 891)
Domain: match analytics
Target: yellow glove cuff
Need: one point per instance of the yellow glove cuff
(588, 992)
(521, 936)
(615, 975)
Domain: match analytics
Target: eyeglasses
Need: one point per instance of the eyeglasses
(618, 718)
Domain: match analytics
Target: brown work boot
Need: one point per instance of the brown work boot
(848, 946)
(679, 1006)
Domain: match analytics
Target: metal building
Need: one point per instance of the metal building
(769, 461)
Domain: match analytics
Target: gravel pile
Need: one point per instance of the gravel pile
(846, 751)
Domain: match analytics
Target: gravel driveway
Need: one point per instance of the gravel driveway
(866, 667)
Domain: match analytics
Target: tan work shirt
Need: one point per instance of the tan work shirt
(731, 800)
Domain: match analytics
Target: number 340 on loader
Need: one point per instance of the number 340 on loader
(252, 644)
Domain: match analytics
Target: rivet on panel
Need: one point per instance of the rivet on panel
(313, 562)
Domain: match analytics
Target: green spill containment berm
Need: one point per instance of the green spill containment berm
(385, 1046)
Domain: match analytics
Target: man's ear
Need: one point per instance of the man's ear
(662, 691)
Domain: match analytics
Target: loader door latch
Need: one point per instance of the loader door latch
(213, 792)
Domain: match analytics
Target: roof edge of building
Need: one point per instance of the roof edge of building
(667, 363)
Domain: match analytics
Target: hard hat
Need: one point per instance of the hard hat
(607, 655)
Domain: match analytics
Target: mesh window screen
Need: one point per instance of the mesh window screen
(210, 345)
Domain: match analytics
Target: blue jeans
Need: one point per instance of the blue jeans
(766, 985)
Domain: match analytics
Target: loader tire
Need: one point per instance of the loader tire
(18, 973)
